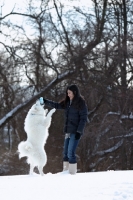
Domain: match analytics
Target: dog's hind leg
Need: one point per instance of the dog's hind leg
(40, 168)
(31, 169)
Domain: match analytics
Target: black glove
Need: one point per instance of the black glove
(41, 99)
(77, 136)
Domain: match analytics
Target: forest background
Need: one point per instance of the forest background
(45, 46)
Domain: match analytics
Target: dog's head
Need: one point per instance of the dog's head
(38, 103)
(37, 108)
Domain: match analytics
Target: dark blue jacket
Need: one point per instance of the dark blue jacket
(75, 120)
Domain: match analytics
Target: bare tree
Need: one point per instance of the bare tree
(87, 47)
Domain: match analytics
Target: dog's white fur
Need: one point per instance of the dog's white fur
(37, 123)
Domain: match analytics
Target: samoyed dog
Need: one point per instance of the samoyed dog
(36, 125)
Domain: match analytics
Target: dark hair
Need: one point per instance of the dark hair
(78, 100)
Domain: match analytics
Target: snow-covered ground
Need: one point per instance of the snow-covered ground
(110, 185)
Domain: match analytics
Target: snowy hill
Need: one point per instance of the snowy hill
(111, 185)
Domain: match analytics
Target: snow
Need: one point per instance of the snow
(110, 185)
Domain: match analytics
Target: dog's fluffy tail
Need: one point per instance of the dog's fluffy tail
(24, 149)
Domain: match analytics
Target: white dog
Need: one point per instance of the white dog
(36, 126)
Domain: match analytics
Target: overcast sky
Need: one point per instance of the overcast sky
(8, 5)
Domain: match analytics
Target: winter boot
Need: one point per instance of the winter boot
(65, 165)
(73, 168)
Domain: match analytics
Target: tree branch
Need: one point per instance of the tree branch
(20, 107)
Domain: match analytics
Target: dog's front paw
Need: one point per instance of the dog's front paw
(53, 110)
(46, 111)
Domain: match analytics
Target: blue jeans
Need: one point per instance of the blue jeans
(70, 145)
